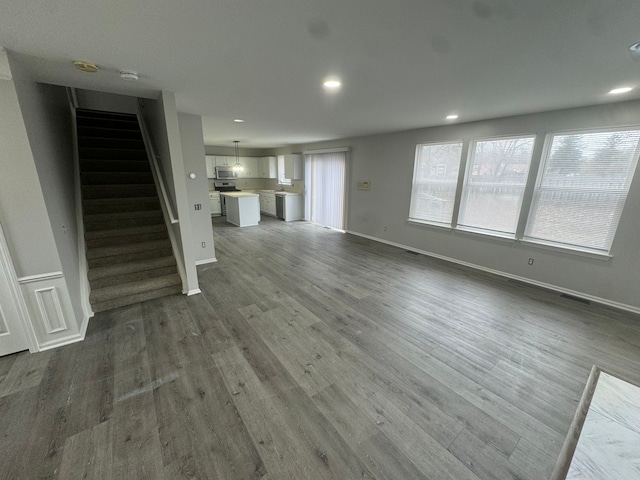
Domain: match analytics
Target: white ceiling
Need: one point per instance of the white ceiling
(404, 64)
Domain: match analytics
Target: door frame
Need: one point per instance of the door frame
(8, 270)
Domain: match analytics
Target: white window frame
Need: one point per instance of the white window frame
(544, 159)
(464, 188)
(461, 166)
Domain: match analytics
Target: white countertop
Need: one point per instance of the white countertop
(238, 194)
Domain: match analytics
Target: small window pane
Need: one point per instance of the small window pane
(495, 182)
(434, 182)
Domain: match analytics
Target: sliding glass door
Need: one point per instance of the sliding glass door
(326, 185)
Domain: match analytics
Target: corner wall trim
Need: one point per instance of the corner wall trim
(39, 277)
(206, 260)
(194, 292)
(548, 286)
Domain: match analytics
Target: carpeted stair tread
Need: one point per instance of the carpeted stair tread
(117, 191)
(120, 204)
(133, 277)
(133, 288)
(131, 299)
(126, 239)
(129, 257)
(88, 166)
(107, 132)
(129, 254)
(109, 142)
(117, 178)
(131, 267)
(91, 153)
(127, 248)
(125, 232)
(105, 217)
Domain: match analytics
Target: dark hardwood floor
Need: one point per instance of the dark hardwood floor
(313, 354)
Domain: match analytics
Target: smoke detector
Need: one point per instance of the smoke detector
(85, 66)
(128, 75)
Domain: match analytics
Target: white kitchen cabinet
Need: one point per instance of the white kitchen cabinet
(215, 204)
(293, 206)
(267, 167)
(250, 165)
(243, 209)
(293, 166)
(210, 162)
(268, 203)
(222, 161)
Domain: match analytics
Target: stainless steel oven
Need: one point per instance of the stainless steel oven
(224, 186)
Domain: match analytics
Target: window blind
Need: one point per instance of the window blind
(582, 188)
(494, 184)
(434, 182)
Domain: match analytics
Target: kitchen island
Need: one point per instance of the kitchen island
(243, 209)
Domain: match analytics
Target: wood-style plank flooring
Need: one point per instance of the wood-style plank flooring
(313, 354)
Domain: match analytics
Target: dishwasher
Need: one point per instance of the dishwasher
(280, 206)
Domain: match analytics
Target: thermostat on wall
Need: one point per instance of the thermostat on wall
(364, 185)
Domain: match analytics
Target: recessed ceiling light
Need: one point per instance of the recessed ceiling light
(238, 120)
(332, 84)
(85, 66)
(452, 117)
(617, 91)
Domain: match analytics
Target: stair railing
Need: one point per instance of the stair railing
(83, 267)
(167, 208)
(153, 157)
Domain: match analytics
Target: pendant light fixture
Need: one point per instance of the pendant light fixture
(238, 166)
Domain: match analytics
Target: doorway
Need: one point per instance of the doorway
(326, 180)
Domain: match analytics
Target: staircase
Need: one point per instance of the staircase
(128, 249)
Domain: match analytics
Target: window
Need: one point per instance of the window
(434, 182)
(281, 179)
(582, 187)
(494, 185)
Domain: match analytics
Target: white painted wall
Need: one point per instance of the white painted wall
(47, 117)
(25, 219)
(387, 162)
(161, 118)
(197, 189)
(109, 102)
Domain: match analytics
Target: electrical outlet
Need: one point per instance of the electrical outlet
(204, 244)
(198, 206)
(530, 261)
(385, 228)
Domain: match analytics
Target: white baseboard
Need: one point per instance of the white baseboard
(567, 291)
(206, 260)
(61, 342)
(194, 292)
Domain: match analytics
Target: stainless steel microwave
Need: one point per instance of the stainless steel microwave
(225, 172)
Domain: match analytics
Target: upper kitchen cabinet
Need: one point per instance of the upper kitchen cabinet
(267, 167)
(250, 167)
(293, 166)
(222, 161)
(210, 161)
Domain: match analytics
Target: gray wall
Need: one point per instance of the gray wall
(47, 117)
(197, 189)
(109, 102)
(387, 162)
(22, 205)
(161, 117)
